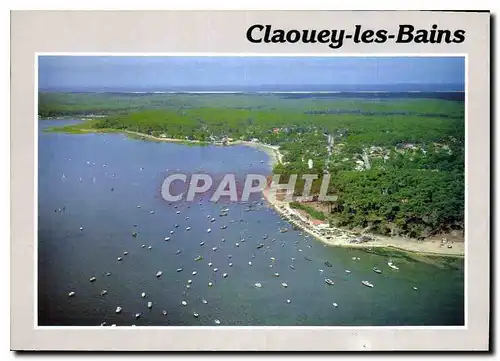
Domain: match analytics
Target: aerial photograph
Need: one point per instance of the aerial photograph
(250, 190)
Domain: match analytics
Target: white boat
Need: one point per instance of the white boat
(288, 301)
(258, 285)
(392, 265)
(284, 285)
(209, 230)
(137, 315)
(224, 275)
(329, 281)
(179, 269)
(210, 284)
(167, 239)
(143, 294)
(216, 269)
(118, 309)
(92, 279)
(104, 292)
(335, 304)
(367, 284)
(150, 304)
(188, 228)
(159, 273)
(71, 294)
(204, 301)
(217, 322)
(194, 273)
(125, 253)
(230, 264)
(195, 314)
(164, 312)
(184, 303)
(190, 281)
(276, 274)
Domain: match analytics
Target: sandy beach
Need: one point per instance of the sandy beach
(338, 237)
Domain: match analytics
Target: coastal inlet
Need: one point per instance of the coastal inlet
(112, 251)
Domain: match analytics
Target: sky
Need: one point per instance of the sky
(169, 72)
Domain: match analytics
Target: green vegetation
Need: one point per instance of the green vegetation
(396, 166)
(309, 210)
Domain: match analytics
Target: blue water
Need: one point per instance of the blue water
(95, 181)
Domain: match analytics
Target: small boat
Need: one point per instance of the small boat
(118, 309)
(392, 265)
(195, 314)
(335, 304)
(276, 274)
(217, 322)
(283, 230)
(178, 252)
(260, 246)
(143, 246)
(212, 220)
(237, 244)
(194, 273)
(328, 264)
(103, 292)
(188, 228)
(143, 294)
(179, 269)
(230, 264)
(329, 281)
(288, 301)
(150, 247)
(376, 270)
(137, 315)
(264, 237)
(164, 312)
(184, 303)
(159, 273)
(150, 304)
(223, 227)
(273, 259)
(202, 243)
(216, 269)
(171, 232)
(249, 263)
(347, 271)
(167, 239)
(209, 230)
(210, 284)
(258, 285)
(367, 284)
(92, 279)
(81, 228)
(214, 249)
(151, 212)
(224, 275)
(178, 212)
(71, 294)
(225, 210)
(199, 258)
(307, 258)
(176, 226)
(209, 264)
(284, 285)
(125, 253)
(204, 301)
(292, 266)
(415, 288)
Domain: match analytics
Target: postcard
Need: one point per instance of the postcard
(261, 181)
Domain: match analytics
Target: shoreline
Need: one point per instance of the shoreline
(337, 237)
(331, 236)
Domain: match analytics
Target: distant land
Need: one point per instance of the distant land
(269, 88)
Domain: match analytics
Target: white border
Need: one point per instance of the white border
(208, 54)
